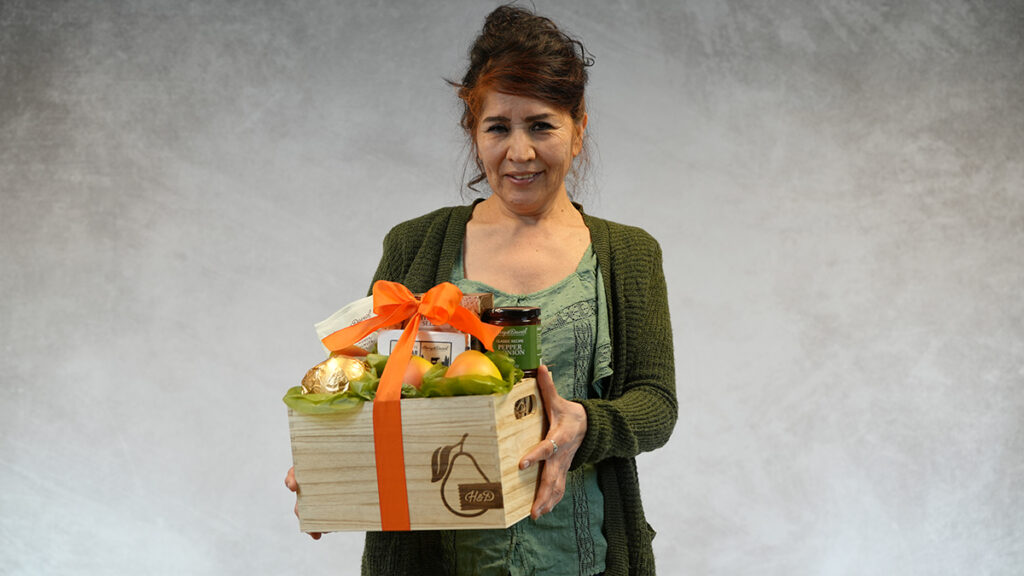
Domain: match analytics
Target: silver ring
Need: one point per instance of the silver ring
(555, 451)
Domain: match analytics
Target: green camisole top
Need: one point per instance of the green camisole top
(576, 347)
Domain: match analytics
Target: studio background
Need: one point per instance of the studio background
(186, 187)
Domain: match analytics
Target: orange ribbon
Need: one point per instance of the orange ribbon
(393, 304)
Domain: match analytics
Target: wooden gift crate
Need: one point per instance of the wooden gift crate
(461, 462)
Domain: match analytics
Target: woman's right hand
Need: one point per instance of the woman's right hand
(292, 485)
(568, 423)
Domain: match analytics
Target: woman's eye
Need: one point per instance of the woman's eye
(542, 127)
(496, 129)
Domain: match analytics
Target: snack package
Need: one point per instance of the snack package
(352, 313)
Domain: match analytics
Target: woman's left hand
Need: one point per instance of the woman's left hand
(567, 427)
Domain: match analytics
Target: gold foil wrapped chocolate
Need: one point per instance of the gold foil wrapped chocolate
(333, 375)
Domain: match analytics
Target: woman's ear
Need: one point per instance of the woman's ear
(577, 141)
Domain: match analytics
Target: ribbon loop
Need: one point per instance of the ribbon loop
(440, 302)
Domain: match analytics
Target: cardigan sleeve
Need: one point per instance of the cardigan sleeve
(640, 410)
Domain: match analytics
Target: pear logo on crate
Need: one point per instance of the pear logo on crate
(474, 498)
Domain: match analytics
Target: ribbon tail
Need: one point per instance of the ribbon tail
(341, 339)
(467, 322)
(387, 434)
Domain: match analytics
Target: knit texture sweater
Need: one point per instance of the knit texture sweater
(636, 414)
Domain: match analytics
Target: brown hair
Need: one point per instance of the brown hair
(522, 54)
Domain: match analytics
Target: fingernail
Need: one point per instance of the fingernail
(525, 464)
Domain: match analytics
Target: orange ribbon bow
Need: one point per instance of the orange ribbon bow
(393, 304)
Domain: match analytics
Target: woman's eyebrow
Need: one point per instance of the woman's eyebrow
(534, 118)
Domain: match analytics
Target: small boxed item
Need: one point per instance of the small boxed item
(438, 347)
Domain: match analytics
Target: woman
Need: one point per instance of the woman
(606, 329)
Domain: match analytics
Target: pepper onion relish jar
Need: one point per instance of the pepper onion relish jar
(520, 335)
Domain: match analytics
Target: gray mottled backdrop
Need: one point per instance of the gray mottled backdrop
(185, 187)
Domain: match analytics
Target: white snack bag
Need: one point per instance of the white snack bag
(352, 313)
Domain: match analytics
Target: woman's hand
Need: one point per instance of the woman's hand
(567, 427)
(292, 485)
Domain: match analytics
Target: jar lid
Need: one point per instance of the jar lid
(512, 313)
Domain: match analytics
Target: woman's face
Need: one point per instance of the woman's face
(526, 147)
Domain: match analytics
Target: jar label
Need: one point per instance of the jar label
(522, 343)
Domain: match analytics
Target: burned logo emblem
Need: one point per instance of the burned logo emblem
(475, 498)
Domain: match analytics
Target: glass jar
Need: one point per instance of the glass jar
(520, 335)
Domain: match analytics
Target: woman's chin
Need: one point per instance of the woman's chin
(528, 200)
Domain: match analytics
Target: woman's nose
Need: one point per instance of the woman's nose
(520, 147)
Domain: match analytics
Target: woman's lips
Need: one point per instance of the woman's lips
(523, 177)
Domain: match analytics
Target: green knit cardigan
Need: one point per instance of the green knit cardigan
(636, 414)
